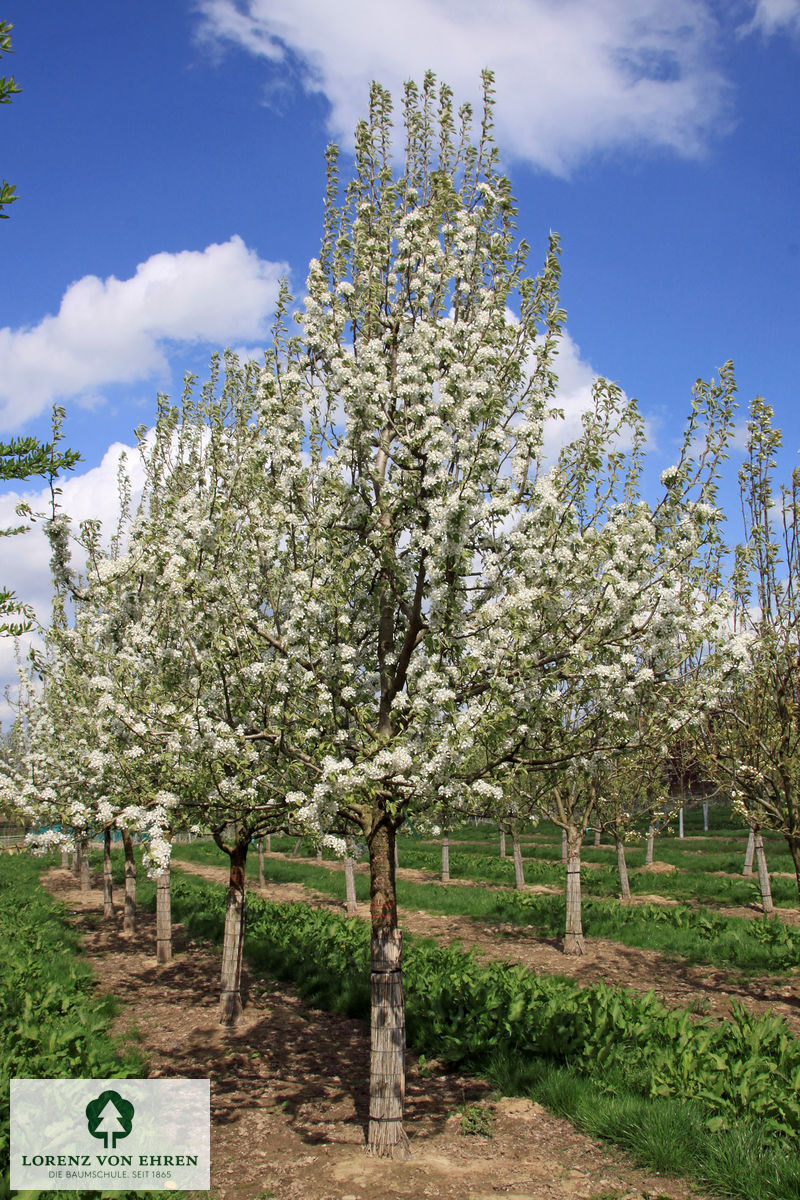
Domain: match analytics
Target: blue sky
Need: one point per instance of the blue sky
(169, 165)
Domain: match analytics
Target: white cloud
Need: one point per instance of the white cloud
(573, 78)
(774, 16)
(116, 331)
(25, 559)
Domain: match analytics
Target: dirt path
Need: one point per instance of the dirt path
(707, 990)
(289, 1098)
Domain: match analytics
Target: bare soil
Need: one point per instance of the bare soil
(289, 1085)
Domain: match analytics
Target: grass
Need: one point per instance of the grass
(665, 1134)
(697, 935)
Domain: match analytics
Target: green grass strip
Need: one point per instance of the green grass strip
(697, 935)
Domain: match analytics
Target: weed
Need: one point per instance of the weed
(477, 1120)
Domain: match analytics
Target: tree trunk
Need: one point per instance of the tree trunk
(108, 881)
(597, 837)
(261, 880)
(518, 870)
(705, 816)
(622, 866)
(64, 860)
(503, 843)
(763, 877)
(386, 1138)
(563, 845)
(86, 882)
(350, 887)
(163, 918)
(794, 850)
(573, 934)
(319, 855)
(747, 869)
(76, 859)
(129, 920)
(680, 822)
(297, 846)
(445, 860)
(651, 837)
(269, 843)
(230, 1004)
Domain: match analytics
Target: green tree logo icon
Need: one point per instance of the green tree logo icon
(109, 1116)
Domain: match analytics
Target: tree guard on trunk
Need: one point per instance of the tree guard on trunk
(350, 887)
(230, 1003)
(163, 918)
(129, 920)
(573, 933)
(108, 880)
(763, 876)
(386, 1137)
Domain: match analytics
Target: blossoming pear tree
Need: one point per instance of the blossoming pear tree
(751, 742)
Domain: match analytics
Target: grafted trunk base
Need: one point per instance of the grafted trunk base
(574, 944)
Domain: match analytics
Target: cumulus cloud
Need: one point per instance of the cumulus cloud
(117, 330)
(573, 79)
(775, 16)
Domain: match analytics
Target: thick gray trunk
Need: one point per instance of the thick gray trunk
(573, 933)
(350, 887)
(445, 860)
(163, 918)
(747, 869)
(651, 837)
(705, 816)
(386, 1138)
(76, 860)
(597, 837)
(297, 846)
(64, 860)
(563, 845)
(230, 1001)
(680, 822)
(622, 866)
(519, 872)
(763, 877)
(108, 881)
(502, 842)
(129, 920)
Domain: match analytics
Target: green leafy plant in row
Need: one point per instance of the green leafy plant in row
(53, 1023)
(465, 1012)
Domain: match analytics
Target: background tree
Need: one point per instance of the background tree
(8, 88)
(25, 458)
(752, 744)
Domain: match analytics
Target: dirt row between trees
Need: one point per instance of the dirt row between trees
(289, 1089)
(705, 990)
